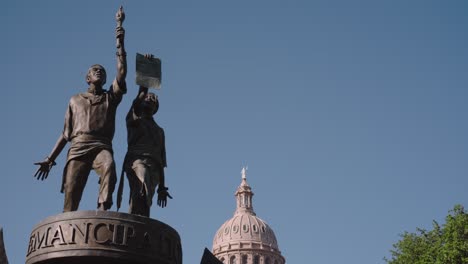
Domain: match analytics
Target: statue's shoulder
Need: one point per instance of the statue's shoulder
(78, 98)
(161, 130)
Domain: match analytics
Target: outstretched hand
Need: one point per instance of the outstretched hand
(44, 169)
(162, 196)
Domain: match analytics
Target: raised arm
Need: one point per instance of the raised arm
(121, 54)
(142, 92)
(135, 111)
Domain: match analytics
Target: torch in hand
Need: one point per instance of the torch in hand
(120, 32)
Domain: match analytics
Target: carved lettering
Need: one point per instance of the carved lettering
(44, 238)
(102, 234)
(84, 235)
(38, 241)
(32, 245)
(58, 236)
(102, 230)
(47, 245)
(121, 234)
(88, 225)
(115, 237)
(129, 232)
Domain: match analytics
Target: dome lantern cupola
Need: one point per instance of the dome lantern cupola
(244, 196)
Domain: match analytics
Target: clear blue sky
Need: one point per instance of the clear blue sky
(351, 115)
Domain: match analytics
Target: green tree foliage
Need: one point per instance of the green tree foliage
(446, 244)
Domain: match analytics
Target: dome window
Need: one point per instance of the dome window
(235, 229)
(255, 228)
(245, 228)
(256, 260)
(226, 230)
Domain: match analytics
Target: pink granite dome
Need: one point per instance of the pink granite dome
(246, 228)
(245, 235)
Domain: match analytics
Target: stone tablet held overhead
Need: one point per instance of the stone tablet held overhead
(148, 71)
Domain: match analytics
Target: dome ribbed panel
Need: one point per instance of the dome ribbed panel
(245, 228)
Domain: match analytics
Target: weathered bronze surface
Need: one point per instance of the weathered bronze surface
(103, 237)
(90, 127)
(146, 156)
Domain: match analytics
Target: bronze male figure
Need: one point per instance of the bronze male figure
(146, 156)
(90, 126)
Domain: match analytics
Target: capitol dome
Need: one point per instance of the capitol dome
(245, 238)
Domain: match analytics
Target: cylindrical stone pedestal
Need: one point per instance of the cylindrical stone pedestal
(103, 237)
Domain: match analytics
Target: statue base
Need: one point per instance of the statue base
(103, 237)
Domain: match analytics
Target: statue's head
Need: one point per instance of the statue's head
(96, 75)
(150, 103)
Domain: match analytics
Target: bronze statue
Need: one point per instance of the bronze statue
(146, 156)
(89, 126)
